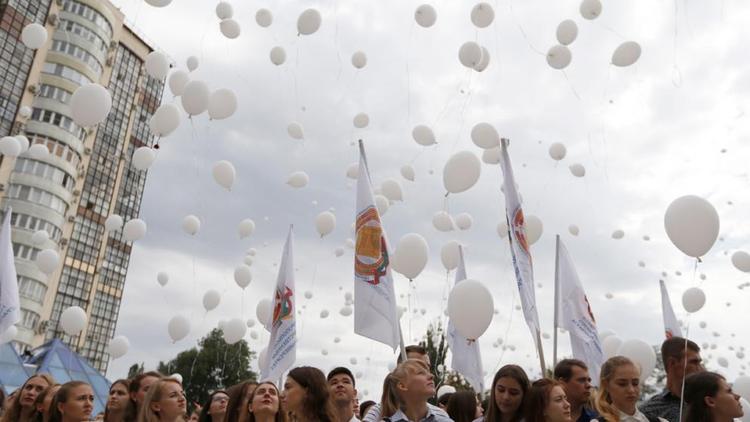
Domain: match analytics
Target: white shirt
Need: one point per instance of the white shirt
(636, 417)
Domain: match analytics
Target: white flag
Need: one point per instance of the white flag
(9, 303)
(375, 314)
(671, 327)
(519, 246)
(466, 356)
(282, 346)
(574, 314)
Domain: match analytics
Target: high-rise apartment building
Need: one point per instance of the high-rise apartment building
(87, 174)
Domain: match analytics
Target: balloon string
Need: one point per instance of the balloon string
(523, 33)
(572, 88)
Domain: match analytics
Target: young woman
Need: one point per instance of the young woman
(365, 407)
(117, 402)
(306, 395)
(43, 403)
(546, 402)
(406, 391)
(239, 398)
(463, 406)
(264, 405)
(74, 402)
(710, 399)
(215, 407)
(22, 409)
(619, 391)
(164, 402)
(137, 390)
(508, 394)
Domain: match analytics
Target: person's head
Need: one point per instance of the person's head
(710, 398)
(573, 375)
(20, 403)
(342, 386)
(215, 407)
(681, 358)
(194, 416)
(307, 395)
(410, 382)
(164, 402)
(546, 402)
(463, 406)
(264, 402)
(139, 386)
(443, 400)
(509, 388)
(364, 407)
(619, 388)
(239, 398)
(117, 401)
(43, 403)
(415, 351)
(73, 402)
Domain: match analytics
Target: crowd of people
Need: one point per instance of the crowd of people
(308, 395)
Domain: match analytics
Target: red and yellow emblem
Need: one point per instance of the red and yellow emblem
(371, 254)
(283, 307)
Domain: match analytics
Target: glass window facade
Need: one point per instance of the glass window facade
(60, 120)
(55, 93)
(38, 196)
(86, 33)
(66, 72)
(79, 53)
(46, 172)
(57, 148)
(29, 222)
(21, 251)
(88, 13)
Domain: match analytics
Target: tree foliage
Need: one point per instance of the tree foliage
(437, 349)
(213, 365)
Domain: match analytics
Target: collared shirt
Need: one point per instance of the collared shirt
(354, 419)
(587, 415)
(663, 405)
(434, 414)
(636, 417)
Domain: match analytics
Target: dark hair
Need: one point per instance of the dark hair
(316, 404)
(675, 348)
(205, 416)
(13, 412)
(364, 407)
(538, 399)
(280, 415)
(131, 412)
(516, 373)
(462, 406)
(564, 368)
(39, 416)
(415, 348)
(237, 394)
(341, 370)
(62, 397)
(698, 386)
(124, 382)
(444, 399)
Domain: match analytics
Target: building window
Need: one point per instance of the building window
(38, 196)
(56, 147)
(86, 33)
(60, 120)
(21, 251)
(29, 319)
(29, 222)
(55, 93)
(66, 72)
(79, 53)
(46, 172)
(89, 14)
(31, 289)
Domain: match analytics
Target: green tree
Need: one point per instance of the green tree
(437, 349)
(135, 369)
(213, 365)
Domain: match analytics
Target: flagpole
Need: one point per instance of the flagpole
(557, 299)
(541, 353)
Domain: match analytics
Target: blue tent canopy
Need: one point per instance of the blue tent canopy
(12, 371)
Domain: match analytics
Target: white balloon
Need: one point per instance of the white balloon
(134, 230)
(162, 278)
(230, 28)
(176, 377)
(23, 142)
(113, 223)
(442, 221)
(502, 230)
(90, 104)
(693, 299)
(464, 221)
(118, 347)
(248, 260)
(224, 10)
(191, 224)
(157, 65)
(407, 172)
(352, 171)
(277, 55)
(298, 179)
(391, 189)
(234, 330)
(9, 146)
(243, 276)
(626, 54)
(461, 171)
(73, 320)
(559, 57)
(359, 59)
(178, 328)
(449, 255)
(573, 229)
(263, 312)
(590, 9)
(692, 225)
(195, 97)
(246, 228)
(534, 228)
(143, 157)
(38, 151)
(263, 18)
(577, 170)
(192, 63)
(741, 261)
(567, 32)
(346, 311)
(222, 104)
(325, 222)
(39, 237)
(741, 386)
(177, 81)
(722, 361)
(48, 260)
(485, 136)
(211, 300)
(324, 313)
(158, 3)
(425, 15)
(618, 234)
(610, 346)
(423, 135)
(165, 120)
(470, 308)
(382, 204)
(34, 36)
(295, 131)
(223, 173)
(24, 112)
(641, 353)
(482, 15)
(308, 22)
(338, 251)
(308, 294)
(470, 54)
(557, 151)
(484, 62)
(411, 255)
(361, 120)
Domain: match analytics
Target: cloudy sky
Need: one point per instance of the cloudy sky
(670, 125)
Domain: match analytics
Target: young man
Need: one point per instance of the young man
(573, 374)
(681, 358)
(343, 393)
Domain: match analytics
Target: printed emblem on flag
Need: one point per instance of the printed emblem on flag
(371, 255)
(519, 229)
(283, 307)
(588, 308)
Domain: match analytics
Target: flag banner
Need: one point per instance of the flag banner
(466, 357)
(519, 246)
(10, 312)
(282, 346)
(574, 314)
(671, 326)
(375, 314)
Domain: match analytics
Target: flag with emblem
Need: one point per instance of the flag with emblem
(671, 327)
(9, 302)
